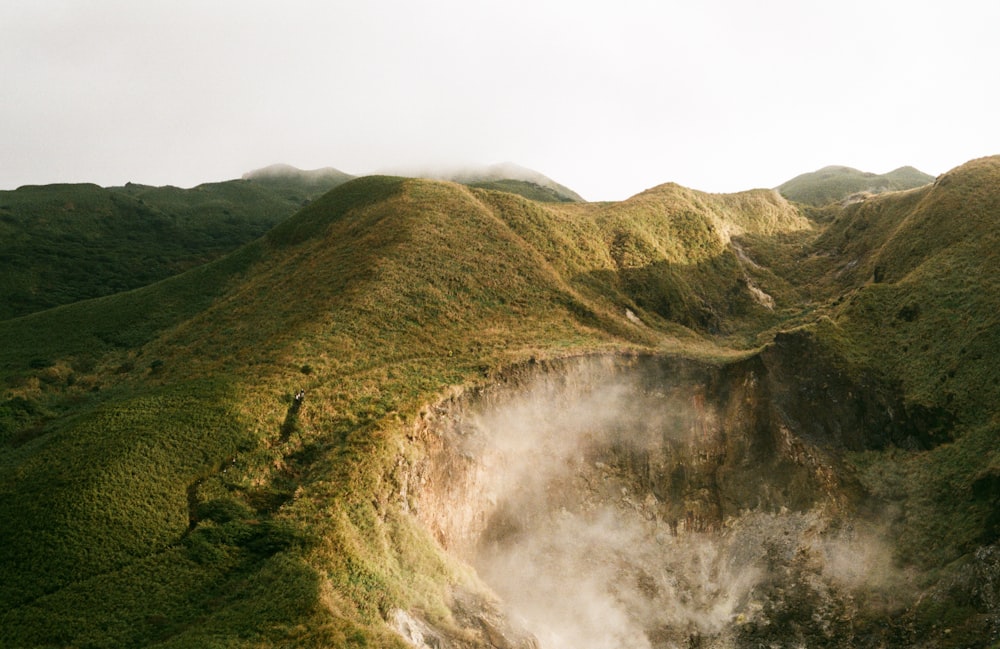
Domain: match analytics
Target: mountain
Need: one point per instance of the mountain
(297, 184)
(832, 184)
(64, 243)
(418, 413)
(505, 176)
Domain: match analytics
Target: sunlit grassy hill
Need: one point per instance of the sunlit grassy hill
(831, 184)
(64, 243)
(160, 486)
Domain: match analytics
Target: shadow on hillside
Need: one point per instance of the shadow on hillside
(705, 297)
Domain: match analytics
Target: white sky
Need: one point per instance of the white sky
(608, 98)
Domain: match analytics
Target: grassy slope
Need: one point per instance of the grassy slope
(664, 254)
(907, 284)
(930, 322)
(910, 280)
(375, 299)
(65, 243)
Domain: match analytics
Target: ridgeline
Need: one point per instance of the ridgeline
(238, 454)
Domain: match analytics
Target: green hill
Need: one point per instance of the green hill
(906, 283)
(64, 243)
(160, 485)
(832, 184)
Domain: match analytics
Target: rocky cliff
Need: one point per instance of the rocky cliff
(647, 501)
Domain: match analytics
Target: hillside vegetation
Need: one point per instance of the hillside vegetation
(832, 184)
(65, 243)
(161, 486)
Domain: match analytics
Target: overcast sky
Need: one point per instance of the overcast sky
(608, 98)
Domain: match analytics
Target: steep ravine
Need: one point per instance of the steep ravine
(645, 501)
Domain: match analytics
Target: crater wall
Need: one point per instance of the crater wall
(647, 501)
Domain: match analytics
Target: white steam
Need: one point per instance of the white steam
(584, 553)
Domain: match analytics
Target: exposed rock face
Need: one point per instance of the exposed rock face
(641, 501)
(694, 445)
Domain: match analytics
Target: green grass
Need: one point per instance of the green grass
(107, 485)
(81, 338)
(159, 487)
(65, 243)
(337, 290)
(940, 501)
(925, 287)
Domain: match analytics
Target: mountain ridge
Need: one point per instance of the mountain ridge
(159, 426)
(527, 182)
(97, 241)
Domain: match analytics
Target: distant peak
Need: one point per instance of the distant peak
(473, 174)
(836, 183)
(288, 171)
